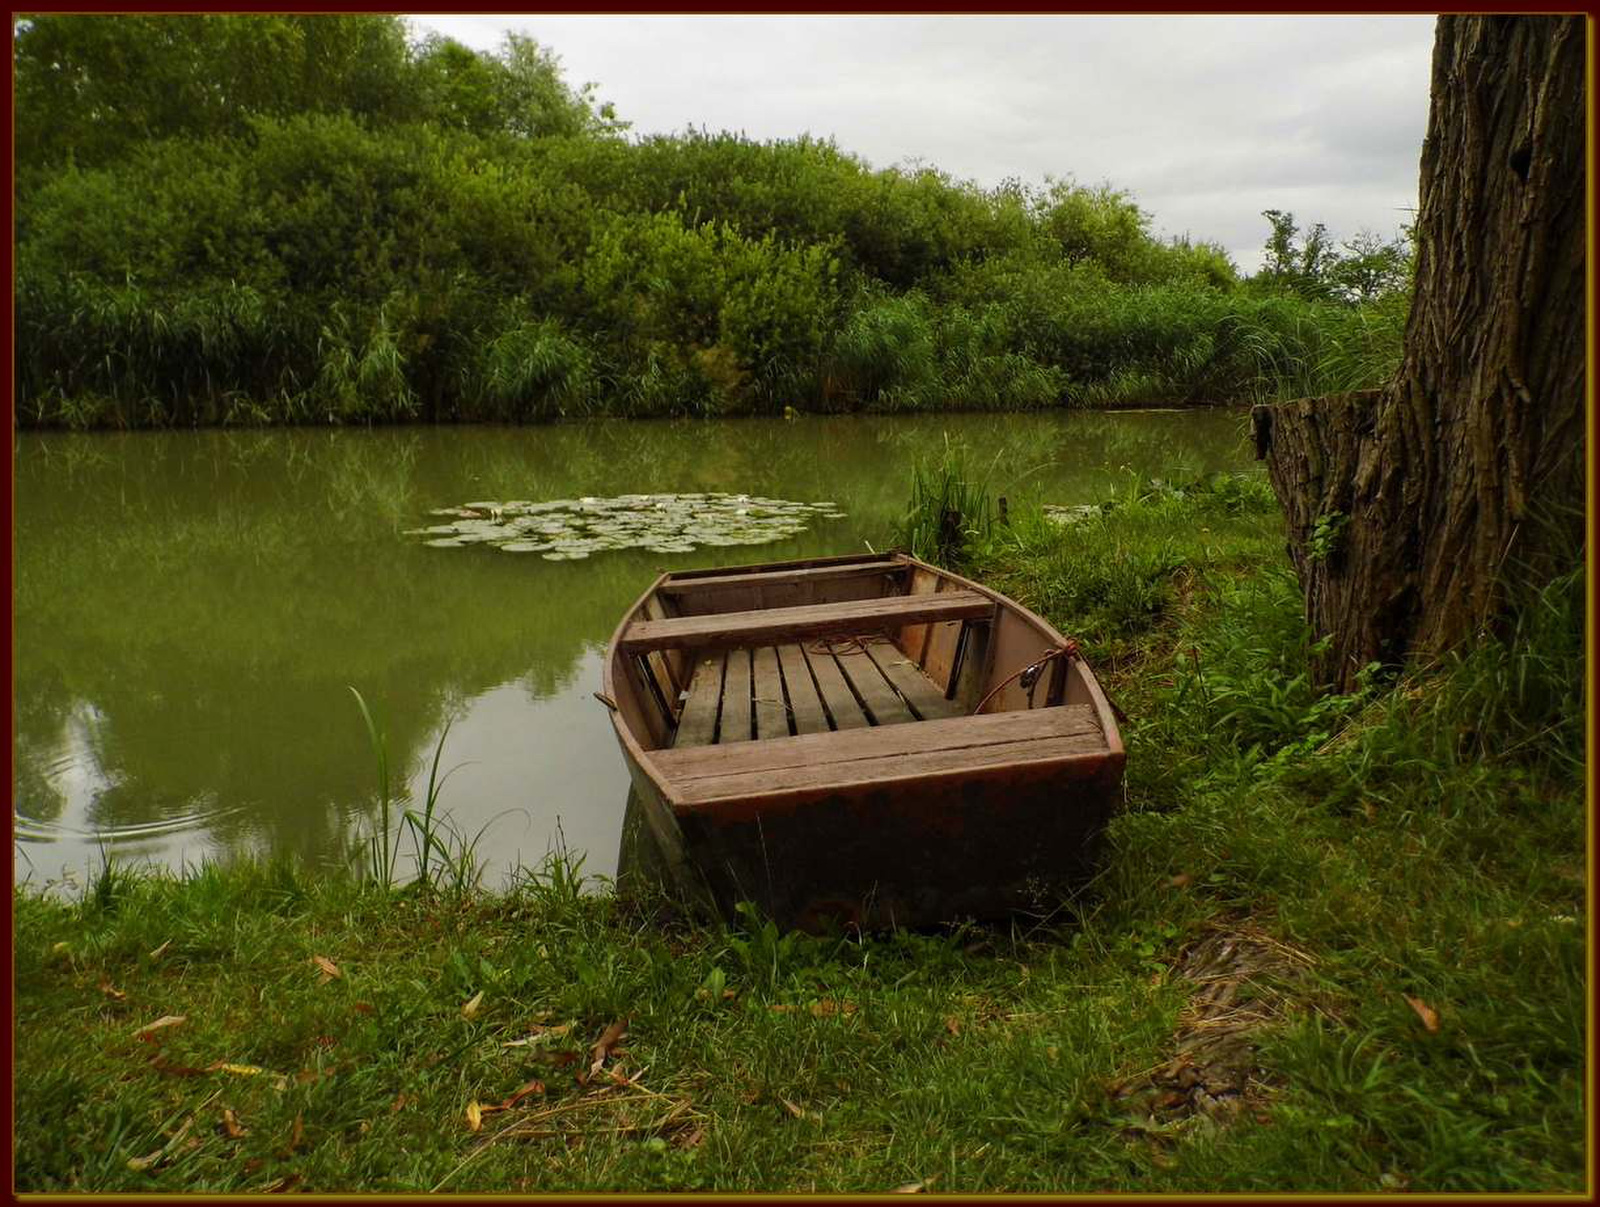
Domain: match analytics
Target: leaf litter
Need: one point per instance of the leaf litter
(571, 529)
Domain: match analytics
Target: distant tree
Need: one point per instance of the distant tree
(518, 90)
(1295, 262)
(1370, 267)
(1414, 509)
(88, 88)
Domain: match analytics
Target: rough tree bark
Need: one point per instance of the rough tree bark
(1411, 508)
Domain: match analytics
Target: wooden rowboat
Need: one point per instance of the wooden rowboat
(868, 739)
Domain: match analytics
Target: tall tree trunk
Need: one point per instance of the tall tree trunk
(1412, 507)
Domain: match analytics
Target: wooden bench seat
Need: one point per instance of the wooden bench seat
(785, 578)
(772, 626)
(819, 761)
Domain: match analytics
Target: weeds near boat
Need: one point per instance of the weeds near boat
(432, 836)
(949, 508)
(568, 529)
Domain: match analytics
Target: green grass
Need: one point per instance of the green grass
(1420, 839)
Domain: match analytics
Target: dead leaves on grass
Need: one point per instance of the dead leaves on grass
(327, 968)
(148, 1031)
(1425, 1012)
(600, 1051)
(477, 1110)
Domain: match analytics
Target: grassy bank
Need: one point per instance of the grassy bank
(1338, 944)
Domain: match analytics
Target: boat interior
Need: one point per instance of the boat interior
(848, 647)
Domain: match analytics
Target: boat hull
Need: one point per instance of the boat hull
(978, 845)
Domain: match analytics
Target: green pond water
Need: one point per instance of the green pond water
(190, 609)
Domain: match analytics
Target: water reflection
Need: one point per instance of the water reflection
(190, 608)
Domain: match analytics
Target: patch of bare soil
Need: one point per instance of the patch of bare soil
(1240, 979)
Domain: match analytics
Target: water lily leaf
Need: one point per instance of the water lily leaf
(569, 529)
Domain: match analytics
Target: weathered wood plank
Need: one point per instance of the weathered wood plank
(804, 563)
(882, 701)
(836, 695)
(780, 625)
(735, 726)
(697, 723)
(886, 768)
(805, 706)
(772, 711)
(913, 639)
(691, 586)
(953, 734)
(903, 674)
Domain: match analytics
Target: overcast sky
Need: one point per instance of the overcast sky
(1207, 121)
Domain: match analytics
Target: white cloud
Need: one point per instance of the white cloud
(1205, 120)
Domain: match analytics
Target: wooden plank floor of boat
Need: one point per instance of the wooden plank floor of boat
(758, 692)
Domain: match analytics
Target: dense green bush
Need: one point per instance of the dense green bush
(423, 231)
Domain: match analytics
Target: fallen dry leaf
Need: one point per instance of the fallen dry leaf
(793, 1109)
(230, 1124)
(400, 1101)
(111, 991)
(692, 1138)
(165, 1021)
(330, 970)
(156, 954)
(145, 1162)
(953, 1025)
(532, 1088)
(1181, 880)
(469, 1009)
(237, 1070)
(1428, 1015)
(601, 1049)
(284, 1183)
(474, 1117)
(915, 1187)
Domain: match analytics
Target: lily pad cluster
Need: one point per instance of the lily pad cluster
(568, 529)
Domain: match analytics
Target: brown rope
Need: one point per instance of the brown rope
(1069, 650)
